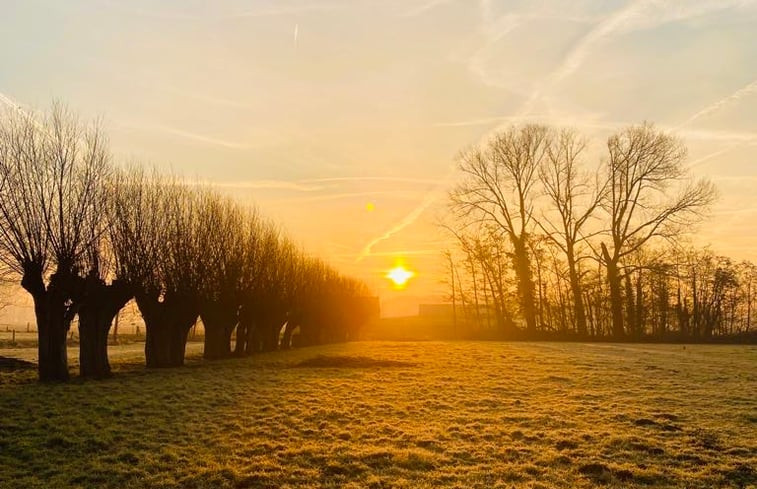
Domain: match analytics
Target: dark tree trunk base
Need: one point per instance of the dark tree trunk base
(167, 324)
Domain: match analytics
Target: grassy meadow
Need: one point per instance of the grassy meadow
(395, 415)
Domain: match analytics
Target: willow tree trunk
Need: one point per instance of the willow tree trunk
(100, 305)
(219, 319)
(54, 310)
(167, 323)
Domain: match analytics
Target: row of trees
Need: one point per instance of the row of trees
(86, 237)
(590, 252)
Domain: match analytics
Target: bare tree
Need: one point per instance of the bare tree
(51, 171)
(643, 168)
(221, 230)
(157, 248)
(498, 189)
(104, 292)
(573, 201)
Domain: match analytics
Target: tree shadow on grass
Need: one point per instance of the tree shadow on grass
(344, 361)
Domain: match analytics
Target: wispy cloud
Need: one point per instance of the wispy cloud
(432, 181)
(704, 159)
(262, 9)
(396, 194)
(7, 100)
(429, 198)
(424, 7)
(192, 136)
(394, 253)
(723, 102)
(635, 15)
(576, 56)
(322, 184)
(268, 184)
(705, 135)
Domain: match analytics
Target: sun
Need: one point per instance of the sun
(399, 276)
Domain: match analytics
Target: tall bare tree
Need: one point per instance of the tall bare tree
(573, 200)
(644, 167)
(498, 189)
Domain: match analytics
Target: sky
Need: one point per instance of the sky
(342, 120)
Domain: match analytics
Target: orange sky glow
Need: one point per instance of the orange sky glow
(341, 120)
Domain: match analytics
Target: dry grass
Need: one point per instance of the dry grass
(458, 414)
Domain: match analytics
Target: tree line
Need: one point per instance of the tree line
(548, 245)
(85, 237)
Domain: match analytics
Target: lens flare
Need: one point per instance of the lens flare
(399, 276)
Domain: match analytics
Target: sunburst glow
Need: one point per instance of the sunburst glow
(399, 276)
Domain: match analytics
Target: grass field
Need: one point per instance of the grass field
(381, 415)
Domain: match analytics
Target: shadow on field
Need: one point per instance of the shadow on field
(343, 361)
(8, 364)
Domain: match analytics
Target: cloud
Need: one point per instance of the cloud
(635, 15)
(723, 102)
(339, 196)
(378, 179)
(267, 184)
(708, 157)
(260, 10)
(7, 100)
(393, 253)
(201, 138)
(430, 197)
(424, 7)
(604, 29)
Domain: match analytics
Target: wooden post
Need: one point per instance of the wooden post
(115, 328)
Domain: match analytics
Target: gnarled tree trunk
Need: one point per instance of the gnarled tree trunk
(100, 304)
(167, 322)
(54, 309)
(219, 319)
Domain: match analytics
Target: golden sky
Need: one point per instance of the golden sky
(341, 119)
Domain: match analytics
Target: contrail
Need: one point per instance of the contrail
(576, 56)
(376, 179)
(296, 32)
(712, 155)
(410, 218)
(189, 135)
(4, 99)
(424, 7)
(265, 184)
(430, 197)
(735, 96)
(11, 103)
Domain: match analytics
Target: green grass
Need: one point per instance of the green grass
(380, 415)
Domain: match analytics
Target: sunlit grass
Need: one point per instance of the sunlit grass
(460, 414)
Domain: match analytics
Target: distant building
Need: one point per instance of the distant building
(436, 311)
